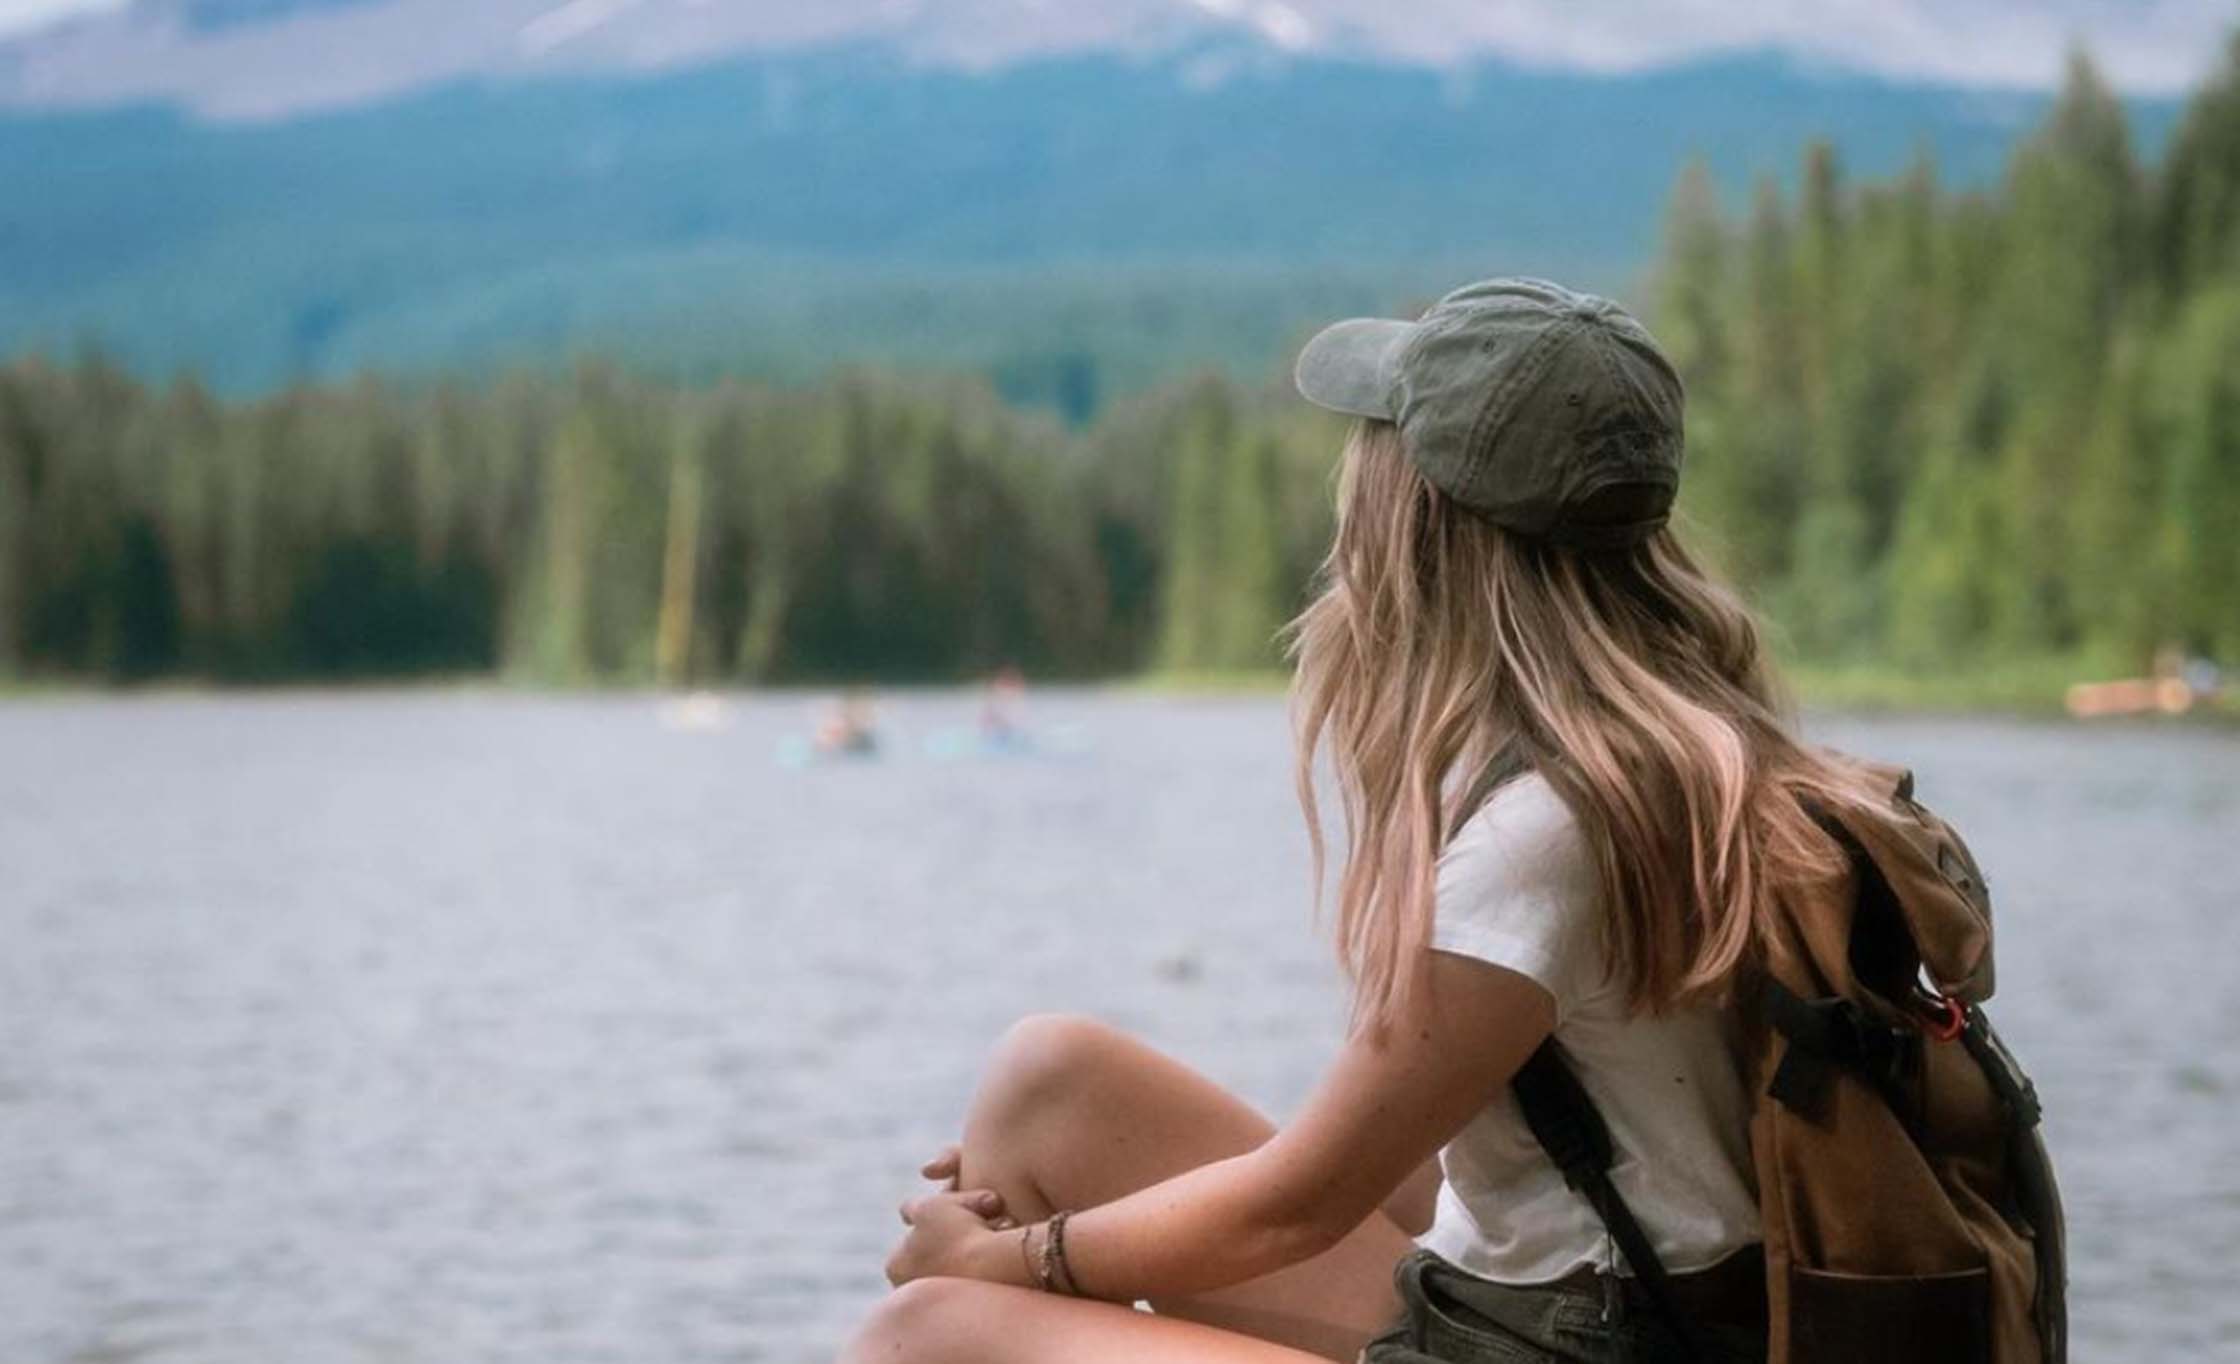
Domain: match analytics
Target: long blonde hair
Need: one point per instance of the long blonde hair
(1629, 678)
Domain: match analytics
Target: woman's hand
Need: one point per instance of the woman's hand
(944, 1167)
(951, 1234)
(944, 1170)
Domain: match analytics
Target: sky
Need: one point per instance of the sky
(2145, 46)
(19, 15)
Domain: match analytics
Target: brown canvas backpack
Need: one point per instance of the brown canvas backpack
(1908, 1205)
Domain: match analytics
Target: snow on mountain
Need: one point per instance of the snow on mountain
(258, 59)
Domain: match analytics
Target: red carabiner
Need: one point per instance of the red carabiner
(1949, 1019)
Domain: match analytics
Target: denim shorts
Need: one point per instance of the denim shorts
(1449, 1316)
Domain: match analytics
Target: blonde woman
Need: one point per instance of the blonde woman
(1570, 799)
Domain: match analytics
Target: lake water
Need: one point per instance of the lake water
(463, 1027)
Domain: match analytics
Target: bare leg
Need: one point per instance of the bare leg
(1072, 1114)
(961, 1321)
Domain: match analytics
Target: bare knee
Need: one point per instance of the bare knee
(1043, 1058)
(923, 1322)
(1026, 1116)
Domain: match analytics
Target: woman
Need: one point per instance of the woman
(1503, 607)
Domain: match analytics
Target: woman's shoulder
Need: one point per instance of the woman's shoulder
(1524, 815)
(1516, 888)
(1522, 849)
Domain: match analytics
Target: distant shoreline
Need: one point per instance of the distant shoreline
(2027, 691)
(2030, 691)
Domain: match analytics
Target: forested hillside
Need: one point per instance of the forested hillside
(1933, 427)
(1928, 426)
(1073, 230)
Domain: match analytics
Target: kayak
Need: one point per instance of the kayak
(795, 751)
(971, 741)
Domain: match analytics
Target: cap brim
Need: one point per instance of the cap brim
(1349, 366)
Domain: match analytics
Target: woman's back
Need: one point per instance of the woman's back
(1517, 887)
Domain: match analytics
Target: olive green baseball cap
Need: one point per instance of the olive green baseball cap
(1548, 412)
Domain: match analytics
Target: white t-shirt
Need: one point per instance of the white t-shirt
(1518, 887)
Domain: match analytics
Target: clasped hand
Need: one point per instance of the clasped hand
(946, 1230)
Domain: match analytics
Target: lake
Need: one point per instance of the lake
(463, 1026)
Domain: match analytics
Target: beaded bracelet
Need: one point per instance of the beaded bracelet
(1057, 1251)
(1046, 1272)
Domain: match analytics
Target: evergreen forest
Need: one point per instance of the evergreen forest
(1930, 429)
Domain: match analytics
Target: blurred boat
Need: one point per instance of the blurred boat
(2179, 685)
(973, 741)
(2130, 696)
(849, 730)
(700, 712)
(797, 751)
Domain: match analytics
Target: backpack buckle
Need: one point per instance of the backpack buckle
(1825, 1033)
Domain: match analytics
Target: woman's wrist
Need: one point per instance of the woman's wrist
(1002, 1257)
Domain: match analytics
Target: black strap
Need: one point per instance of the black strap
(2001, 1069)
(1568, 1127)
(1821, 1034)
(1508, 762)
(2035, 1189)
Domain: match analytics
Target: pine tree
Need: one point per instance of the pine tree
(2201, 514)
(1192, 607)
(2073, 210)
(2196, 219)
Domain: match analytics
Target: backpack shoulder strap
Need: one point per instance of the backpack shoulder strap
(1566, 1124)
(1570, 1129)
(1509, 762)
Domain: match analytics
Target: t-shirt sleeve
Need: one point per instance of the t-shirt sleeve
(1516, 887)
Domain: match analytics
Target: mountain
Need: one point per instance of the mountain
(276, 58)
(1074, 225)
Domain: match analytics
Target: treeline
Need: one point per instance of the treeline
(1934, 428)
(1926, 427)
(595, 527)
